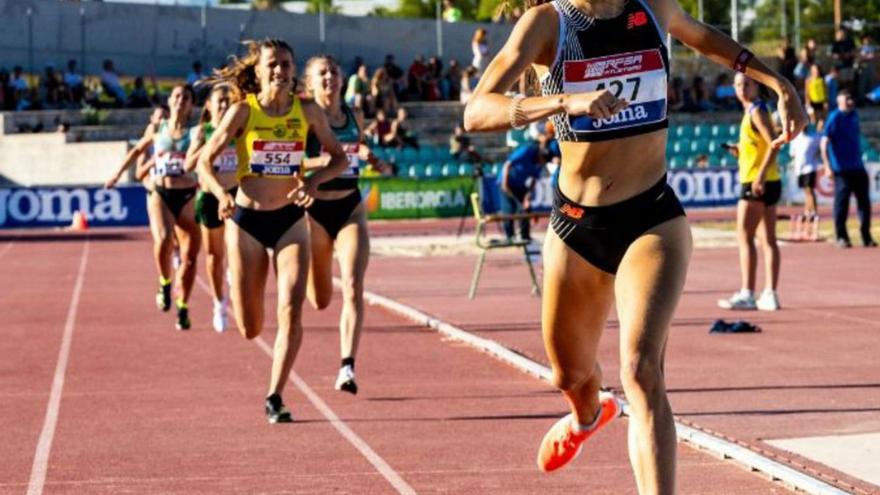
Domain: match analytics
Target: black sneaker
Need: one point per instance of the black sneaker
(183, 322)
(276, 412)
(870, 243)
(163, 297)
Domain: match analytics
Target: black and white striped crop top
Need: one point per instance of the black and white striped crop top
(626, 54)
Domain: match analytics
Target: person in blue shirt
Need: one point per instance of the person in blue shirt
(517, 180)
(842, 157)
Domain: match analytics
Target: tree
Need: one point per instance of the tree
(715, 12)
(314, 7)
(426, 9)
(817, 18)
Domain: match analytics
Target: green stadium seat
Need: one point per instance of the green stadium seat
(465, 170)
(433, 170)
(409, 155)
(393, 155)
(703, 130)
(681, 147)
(727, 161)
(449, 170)
(412, 171)
(733, 131)
(443, 155)
(675, 162)
(428, 154)
(685, 131)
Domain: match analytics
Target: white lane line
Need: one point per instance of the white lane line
(832, 314)
(369, 454)
(723, 448)
(44, 445)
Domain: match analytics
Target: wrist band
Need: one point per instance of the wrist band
(742, 60)
(515, 113)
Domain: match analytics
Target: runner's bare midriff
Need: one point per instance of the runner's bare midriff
(608, 172)
(272, 193)
(182, 182)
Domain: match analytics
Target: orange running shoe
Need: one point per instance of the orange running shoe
(562, 443)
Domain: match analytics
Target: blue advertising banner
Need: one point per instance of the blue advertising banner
(55, 206)
(695, 188)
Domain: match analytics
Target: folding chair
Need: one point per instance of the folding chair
(485, 245)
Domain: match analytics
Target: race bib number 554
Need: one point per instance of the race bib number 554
(276, 158)
(637, 77)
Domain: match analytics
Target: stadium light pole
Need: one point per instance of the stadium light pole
(838, 16)
(439, 29)
(797, 23)
(734, 19)
(700, 13)
(322, 33)
(204, 32)
(82, 38)
(784, 20)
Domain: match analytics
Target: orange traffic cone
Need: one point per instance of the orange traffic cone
(79, 223)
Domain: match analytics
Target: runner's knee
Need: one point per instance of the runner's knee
(641, 377)
(570, 379)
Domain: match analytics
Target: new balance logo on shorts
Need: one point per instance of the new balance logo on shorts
(572, 211)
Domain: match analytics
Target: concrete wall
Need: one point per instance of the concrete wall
(138, 37)
(37, 159)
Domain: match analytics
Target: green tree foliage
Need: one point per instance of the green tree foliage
(426, 9)
(715, 12)
(817, 17)
(314, 7)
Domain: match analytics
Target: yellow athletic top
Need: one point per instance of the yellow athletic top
(272, 147)
(752, 149)
(816, 91)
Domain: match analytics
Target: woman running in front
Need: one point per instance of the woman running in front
(618, 233)
(337, 218)
(207, 216)
(171, 201)
(270, 128)
(761, 186)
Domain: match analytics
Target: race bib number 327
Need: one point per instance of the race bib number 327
(637, 77)
(278, 158)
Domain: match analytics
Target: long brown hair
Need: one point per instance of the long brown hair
(205, 116)
(239, 73)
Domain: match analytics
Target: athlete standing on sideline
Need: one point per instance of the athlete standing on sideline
(171, 201)
(270, 128)
(337, 218)
(622, 236)
(761, 189)
(207, 215)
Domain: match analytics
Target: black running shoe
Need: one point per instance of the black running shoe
(163, 297)
(276, 412)
(183, 322)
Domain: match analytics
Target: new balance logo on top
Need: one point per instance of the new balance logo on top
(636, 19)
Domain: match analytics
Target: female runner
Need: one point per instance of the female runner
(337, 218)
(618, 231)
(270, 128)
(212, 225)
(171, 201)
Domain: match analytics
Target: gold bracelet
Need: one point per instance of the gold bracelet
(515, 113)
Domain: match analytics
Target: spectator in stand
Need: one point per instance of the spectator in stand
(805, 151)
(450, 85)
(451, 13)
(816, 93)
(382, 92)
(139, 97)
(724, 95)
(432, 80)
(196, 75)
(6, 98)
(21, 97)
(802, 69)
(480, 50)
(832, 84)
(19, 82)
(50, 88)
(358, 89)
(699, 97)
(842, 158)
(379, 130)
(812, 47)
(416, 75)
(787, 61)
(867, 66)
(356, 64)
(843, 50)
(395, 73)
(675, 94)
(460, 146)
(517, 181)
(400, 135)
(111, 85)
(466, 86)
(74, 82)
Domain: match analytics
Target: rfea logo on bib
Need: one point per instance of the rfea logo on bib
(637, 77)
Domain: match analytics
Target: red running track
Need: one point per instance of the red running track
(147, 409)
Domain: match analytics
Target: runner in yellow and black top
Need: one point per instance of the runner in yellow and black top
(171, 201)
(337, 218)
(269, 128)
(761, 190)
(206, 203)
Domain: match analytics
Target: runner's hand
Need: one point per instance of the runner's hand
(111, 183)
(304, 194)
(792, 116)
(597, 104)
(758, 188)
(226, 206)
